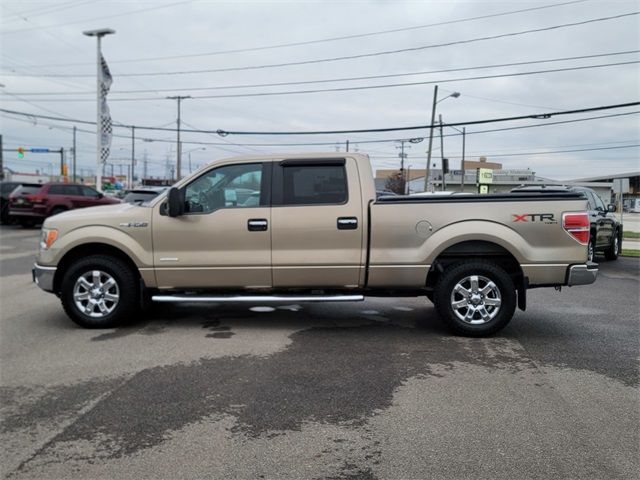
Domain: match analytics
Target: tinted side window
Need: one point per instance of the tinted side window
(599, 202)
(63, 190)
(590, 203)
(314, 185)
(88, 191)
(58, 190)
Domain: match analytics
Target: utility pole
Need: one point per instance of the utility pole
(402, 156)
(347, 145)
(464, 134)
(179, 98)
(1, 160)
(144, 165)
(441, 152)
(74, 154)
(433, 114)
(61, 161)
(133, 154)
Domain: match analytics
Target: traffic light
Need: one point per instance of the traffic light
(20, 152)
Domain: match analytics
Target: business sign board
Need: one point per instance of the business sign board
(485, 176)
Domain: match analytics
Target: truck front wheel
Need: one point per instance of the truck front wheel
(99, 291)
(475, 298)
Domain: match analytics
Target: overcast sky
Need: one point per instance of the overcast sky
(45, 37)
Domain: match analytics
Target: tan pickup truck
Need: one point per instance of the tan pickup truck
(308, 228)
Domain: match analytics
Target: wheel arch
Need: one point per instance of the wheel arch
(474, 250)
(87, 249)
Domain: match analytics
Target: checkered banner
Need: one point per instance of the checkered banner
(105, 115)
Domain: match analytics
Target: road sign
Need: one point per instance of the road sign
(484, 189)
(621, 185)
(39, 150)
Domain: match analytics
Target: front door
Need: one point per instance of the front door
(316, 224)
(224, 237)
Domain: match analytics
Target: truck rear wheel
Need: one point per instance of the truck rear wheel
(99, 291)
(475, 298)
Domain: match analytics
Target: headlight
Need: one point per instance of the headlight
(49, 236)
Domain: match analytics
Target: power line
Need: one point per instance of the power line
(331, 39)
(364, 87)
(343, 79)
(351, 57)
(220, 132)
(550, 152)
(332, 143)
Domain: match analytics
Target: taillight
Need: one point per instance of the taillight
(36, 198)
(577, 225)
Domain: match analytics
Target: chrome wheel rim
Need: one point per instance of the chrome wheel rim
(616, 245)
(476, 300)
(96, 293)
(591, 252)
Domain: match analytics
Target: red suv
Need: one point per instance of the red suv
(29, 204)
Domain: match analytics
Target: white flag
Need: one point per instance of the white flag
(105, 115)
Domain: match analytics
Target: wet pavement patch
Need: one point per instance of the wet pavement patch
(337, 375)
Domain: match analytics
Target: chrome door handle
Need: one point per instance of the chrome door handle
(347, 223)
(257, 225)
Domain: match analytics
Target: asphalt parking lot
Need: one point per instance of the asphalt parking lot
(373, 390)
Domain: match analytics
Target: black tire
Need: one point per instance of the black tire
(57, 210)
(612, 252)
(484, 270)
(27, 223)
(127, 289)
(5, 219)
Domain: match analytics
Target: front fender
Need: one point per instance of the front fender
(136, 244)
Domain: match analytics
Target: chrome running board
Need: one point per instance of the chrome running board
(256, 298)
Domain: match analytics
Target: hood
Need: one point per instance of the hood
(105, 215)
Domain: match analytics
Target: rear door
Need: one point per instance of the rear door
(317, 223)
(90, 197)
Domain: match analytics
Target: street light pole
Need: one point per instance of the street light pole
(99, 33)
(133, 154)
(432, 126)
(433, 116)
(179, 98)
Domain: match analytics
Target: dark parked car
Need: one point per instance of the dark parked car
(5, 190)
(30, 205)
(141, 195)
(606, 229)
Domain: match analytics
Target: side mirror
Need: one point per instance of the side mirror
(611, 207)
(175, 202)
